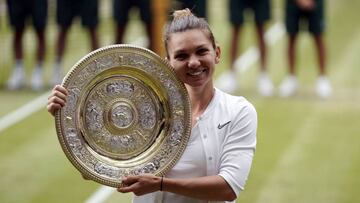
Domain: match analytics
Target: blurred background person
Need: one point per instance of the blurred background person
(121, 9)
(198, 7)
(311, 11)
(66, 11)
(261, 13)
(20, 12)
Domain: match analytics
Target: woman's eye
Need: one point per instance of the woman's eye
(180, 57)
(202, 51)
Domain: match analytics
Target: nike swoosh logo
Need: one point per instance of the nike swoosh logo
(223, 125)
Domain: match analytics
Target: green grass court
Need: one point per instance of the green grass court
(308, 149)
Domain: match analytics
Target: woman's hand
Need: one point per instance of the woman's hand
(141, 184)
(57, 99)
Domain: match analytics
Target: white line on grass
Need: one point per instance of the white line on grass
(100, 195)
(23, 112)
(244, 62)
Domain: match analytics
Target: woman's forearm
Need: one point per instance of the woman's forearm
(213, 188)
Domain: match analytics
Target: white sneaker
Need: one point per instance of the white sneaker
(36, 79)
(56, 78)
(288, 86)
(17, 79)
(227, 82)
(323, 87)
(265, 86)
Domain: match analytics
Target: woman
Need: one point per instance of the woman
(218, 156)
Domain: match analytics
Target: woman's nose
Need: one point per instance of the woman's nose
(194, 62)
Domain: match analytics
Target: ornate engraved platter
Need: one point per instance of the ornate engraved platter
(127, 114)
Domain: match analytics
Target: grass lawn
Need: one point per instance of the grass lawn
(308, 148)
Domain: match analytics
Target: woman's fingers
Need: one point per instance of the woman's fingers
(128, 184)
(60, 92)
(140, 184)
(126, 189)
(61, 89)
(53, 107)
(57, 99)
(129, 180)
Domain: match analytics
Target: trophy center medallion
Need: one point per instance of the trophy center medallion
(121, 115)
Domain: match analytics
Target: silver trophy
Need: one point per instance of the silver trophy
(127, 114)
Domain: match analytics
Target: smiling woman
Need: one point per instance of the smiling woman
(225, 124)
(194, 59)
(327, 130)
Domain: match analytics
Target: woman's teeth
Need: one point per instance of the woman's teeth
(196, 73)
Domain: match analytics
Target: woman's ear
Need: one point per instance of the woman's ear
(217, 54)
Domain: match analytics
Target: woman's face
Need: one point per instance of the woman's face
(193, 57)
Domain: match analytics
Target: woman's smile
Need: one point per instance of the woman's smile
(196, 72)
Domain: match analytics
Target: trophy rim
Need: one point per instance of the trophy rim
(88, 174)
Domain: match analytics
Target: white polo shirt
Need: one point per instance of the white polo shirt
(222, 143)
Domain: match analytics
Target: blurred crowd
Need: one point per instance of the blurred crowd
(300, 15)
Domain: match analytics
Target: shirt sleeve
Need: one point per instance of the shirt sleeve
(238, 148)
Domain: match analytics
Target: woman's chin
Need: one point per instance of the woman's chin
(197, 83)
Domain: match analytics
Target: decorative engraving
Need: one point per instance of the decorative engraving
(148, 116)
(93, 117)
(177, 131)
(121, 59)
(122, 86)
(109, 171)
(122, 116)
(149, 168)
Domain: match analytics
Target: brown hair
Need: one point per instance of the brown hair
(185, 20)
